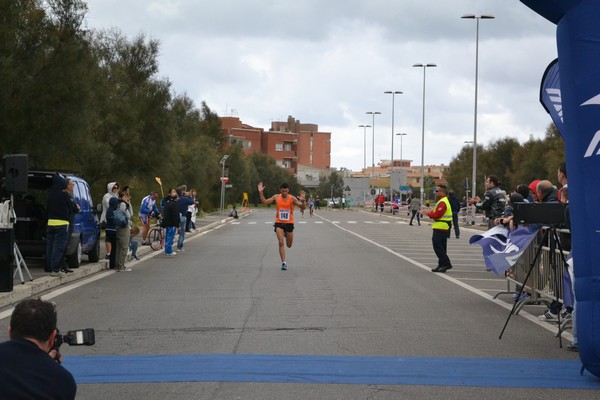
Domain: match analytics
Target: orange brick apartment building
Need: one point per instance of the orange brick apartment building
(298, 147)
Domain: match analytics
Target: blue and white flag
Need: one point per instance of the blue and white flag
(550, 95)
(502, 248)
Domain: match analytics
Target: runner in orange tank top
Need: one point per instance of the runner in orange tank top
(284, 215)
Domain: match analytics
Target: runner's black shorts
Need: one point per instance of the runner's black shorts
(287, 228)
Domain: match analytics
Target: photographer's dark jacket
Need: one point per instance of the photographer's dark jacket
(493, 202)
(28, 372)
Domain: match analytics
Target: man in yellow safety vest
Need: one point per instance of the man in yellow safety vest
(442, 217)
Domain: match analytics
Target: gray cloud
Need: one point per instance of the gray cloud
(328, 62)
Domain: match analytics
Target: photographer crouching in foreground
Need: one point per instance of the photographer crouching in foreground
(29, 362)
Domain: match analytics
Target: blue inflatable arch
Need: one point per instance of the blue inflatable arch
(578, 42)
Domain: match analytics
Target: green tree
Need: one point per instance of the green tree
(43, 107)
(495, 160)
(271, 175)
(331, 186)
(460, 169)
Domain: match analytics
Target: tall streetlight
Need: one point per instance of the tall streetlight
(401, 134)
(373, 113)
(365, 160)
(424, 66)
(477, 18)
(467, 142)
(401, 163)
(223, 182)
(393, 93)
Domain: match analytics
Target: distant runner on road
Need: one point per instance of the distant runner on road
(284, 215)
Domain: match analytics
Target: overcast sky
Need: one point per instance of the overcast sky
(329, 61)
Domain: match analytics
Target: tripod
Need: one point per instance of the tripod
(18, 257)
(552, 236)
(20, 261)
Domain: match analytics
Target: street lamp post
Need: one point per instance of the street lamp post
(393, 93)
(424, 66)
(467, 142)
(401, 134)
(372, 176)
(365, 160)
(222, 162)
(401, 162)
(477, 18)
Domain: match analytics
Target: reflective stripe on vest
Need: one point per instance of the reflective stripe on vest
(57, 222)
(439, 223)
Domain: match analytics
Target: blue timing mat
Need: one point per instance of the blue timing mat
(477, 372)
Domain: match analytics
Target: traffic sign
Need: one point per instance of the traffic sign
(225, 179)
(229, 186)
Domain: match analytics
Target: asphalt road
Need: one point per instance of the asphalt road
(358, 315)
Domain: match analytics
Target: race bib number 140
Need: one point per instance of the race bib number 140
(284, 215)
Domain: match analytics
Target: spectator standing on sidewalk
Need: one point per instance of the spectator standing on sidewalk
(171, 220)
(455, 204)
(561, 175)
(147, 209)
(111, 231)
(191, 212)
(112, 190)
(415, 207)
(61, 208)
(493, 202)
(183, 202)
(123, 232)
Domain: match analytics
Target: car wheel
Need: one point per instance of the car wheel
(94, 254)
(74, 259)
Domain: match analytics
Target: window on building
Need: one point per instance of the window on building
(247, 144)
(287, 146)
(287, 163)
(278, 146)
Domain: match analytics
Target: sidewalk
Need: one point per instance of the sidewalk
(42, 281)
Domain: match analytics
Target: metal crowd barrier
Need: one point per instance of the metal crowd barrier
(468, 215)
(541, 282)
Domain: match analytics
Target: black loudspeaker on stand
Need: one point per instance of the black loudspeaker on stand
(15, 173)
(15, 170)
